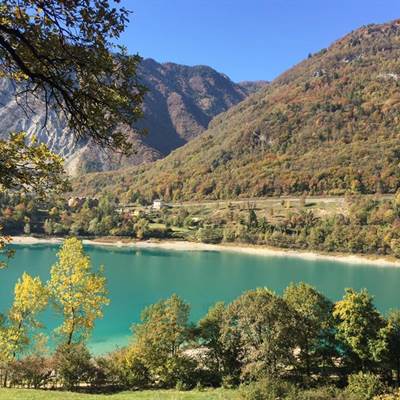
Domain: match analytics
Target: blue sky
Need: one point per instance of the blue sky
(247, 40)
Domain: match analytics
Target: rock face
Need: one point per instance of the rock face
(178, 107)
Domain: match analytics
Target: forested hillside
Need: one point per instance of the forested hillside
(329, 125)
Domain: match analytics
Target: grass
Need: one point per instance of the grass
(27, 394)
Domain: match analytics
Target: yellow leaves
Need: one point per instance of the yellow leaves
(30, 166)
(79, 294)
(31, 297)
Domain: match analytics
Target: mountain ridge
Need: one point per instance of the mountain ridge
(178, 107)
(329, 125)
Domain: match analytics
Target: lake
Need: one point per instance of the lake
(139, 277)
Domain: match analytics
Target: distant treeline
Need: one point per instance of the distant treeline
(367, 225)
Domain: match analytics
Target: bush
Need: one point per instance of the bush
(209, 235)
(392, 396)
(364, 386)
(32, 371)
(73, 365)
(230, 381)
(179, 370)
(269, 389)
(129, 369)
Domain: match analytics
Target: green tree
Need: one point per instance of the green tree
(252, 218)
(159, 341)
(78, 293)
(364, 386)
(261, 329)
(210, 328)
(315, 336)
(73, 364)
(358, 324)
(387, 345)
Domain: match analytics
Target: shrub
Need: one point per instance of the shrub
(129, 369)
(269, 389)
(32, 371)
(391, 396)
(73, 365)
(209, 235)
(179, 370)
(364, 386)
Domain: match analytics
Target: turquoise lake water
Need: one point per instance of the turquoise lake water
(137, 278)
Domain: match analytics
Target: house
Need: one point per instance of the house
(158, 204)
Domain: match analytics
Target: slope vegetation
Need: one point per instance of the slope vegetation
(327, 126)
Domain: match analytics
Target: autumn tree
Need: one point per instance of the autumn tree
(30, 298)
(15, 331)
(78, 293)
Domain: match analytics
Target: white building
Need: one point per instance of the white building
(158, 204)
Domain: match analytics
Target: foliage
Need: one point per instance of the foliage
(29, 167)
(63, 54)
(386, 347)
(259, 330)
(329, 125)
(210, 328)
(72, 363)
(159, 341)
(31, 298)
(266, 341)
(361, 224)
(77, 293)
(358, 325)
(269, 389)
(364, 386)
(33, 371)
(315, 338)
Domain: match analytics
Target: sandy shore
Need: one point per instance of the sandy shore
(252, 250)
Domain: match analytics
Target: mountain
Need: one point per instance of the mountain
(329, 125)
(251, 87)
(178, 107)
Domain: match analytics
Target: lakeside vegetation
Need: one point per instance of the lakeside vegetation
(352, 224)
(298, 345)
(330, 125)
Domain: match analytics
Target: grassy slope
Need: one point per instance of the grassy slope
(24, 394)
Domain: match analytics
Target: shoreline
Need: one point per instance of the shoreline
(355, 259)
